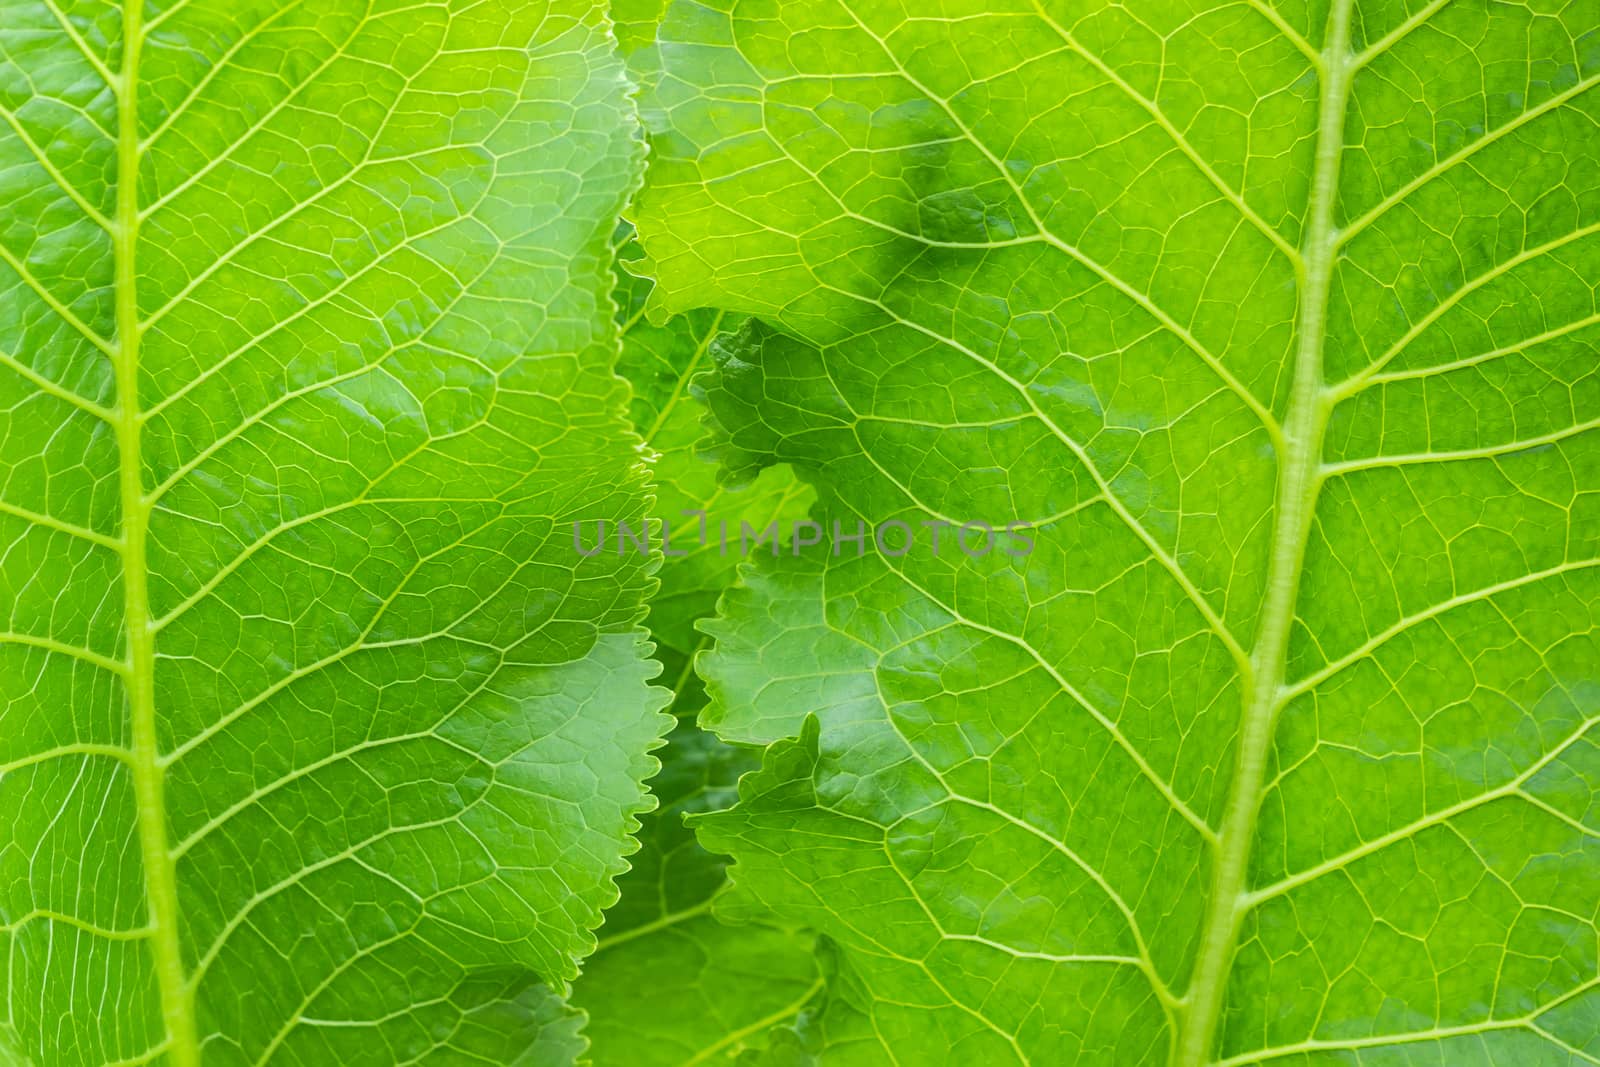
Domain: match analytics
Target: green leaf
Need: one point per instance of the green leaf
(318, 742)
(636, 23)
(670, 983)
(666, 364)
(1278, 324)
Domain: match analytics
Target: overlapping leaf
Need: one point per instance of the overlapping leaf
(318, 744)
(671, 984)
(1278, 324)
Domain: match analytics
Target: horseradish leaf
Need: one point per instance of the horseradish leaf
(1277, 324)
(318, 743)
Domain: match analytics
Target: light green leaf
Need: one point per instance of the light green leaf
(636, 23)
(318, 742)
(1278, 324)
(670, 983)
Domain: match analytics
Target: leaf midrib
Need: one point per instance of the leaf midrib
(1298, 484)
(177, 998)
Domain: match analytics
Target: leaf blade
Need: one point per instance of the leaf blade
(387, 733)
(975, 248)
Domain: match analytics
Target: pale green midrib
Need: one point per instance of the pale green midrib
(1298, 483)
(680, 387)
(654, 926)
(177, 1004)
(782, 1015)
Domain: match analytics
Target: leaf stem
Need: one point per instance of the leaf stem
(1298, 485)
(177, 1006)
